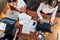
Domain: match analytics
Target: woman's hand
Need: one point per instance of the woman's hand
(51, 23)
(41, 21)
(22, 10)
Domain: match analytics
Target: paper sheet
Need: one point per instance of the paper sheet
(2, 26)
(26, 29)
(29, 27)
(24, 18)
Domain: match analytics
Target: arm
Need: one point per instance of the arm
(23, 9)
(54, 13)
(39, 14)
(17, 30)
(38, 11)
(21, 6)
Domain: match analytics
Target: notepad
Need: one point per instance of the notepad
(2, 26)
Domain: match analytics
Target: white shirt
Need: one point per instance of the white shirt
(21, 4)
(24, 18)
(45, 8)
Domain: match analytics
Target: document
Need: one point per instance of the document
(2, 26)
(29, 27)
(26, 29)
(24, 18)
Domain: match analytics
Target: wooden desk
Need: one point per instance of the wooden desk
(51, 36)
(55, 30)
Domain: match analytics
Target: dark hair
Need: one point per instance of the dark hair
(52, 2)
(9, 1)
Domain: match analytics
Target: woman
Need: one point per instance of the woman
(49, 7)
(15, 6)
(46, 8)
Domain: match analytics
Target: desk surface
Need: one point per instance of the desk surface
(55, 30)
